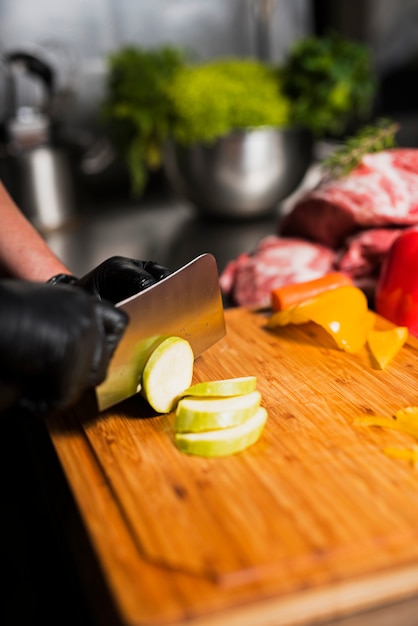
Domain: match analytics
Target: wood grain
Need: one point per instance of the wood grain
(312, 521)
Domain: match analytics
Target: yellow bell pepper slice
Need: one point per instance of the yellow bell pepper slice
(405, 454)
(343, 312)
(405, 420)
(385, 344)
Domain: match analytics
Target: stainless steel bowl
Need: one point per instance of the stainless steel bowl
(244, 174)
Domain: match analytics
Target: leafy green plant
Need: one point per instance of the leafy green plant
(136, 107)
(152, 95)
(211, 99)
(330, 81)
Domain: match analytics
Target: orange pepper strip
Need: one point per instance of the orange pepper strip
(289, 295)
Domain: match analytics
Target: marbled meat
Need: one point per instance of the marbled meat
(249, 279)
(381, 192)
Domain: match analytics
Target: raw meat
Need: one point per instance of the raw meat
(250, 278)
(363, 253)
(346, 225)
(381, 192)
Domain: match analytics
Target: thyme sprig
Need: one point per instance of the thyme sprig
(372, 138)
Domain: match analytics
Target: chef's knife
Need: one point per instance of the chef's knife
(187, 303)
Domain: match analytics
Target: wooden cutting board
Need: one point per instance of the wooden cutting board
(312, 521)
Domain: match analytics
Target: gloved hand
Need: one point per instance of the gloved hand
(55, 343)
(118, 278)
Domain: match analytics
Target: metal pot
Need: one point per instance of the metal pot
(241, 175)
(36, 169)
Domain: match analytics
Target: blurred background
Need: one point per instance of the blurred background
(91, 30)
(55, 55)
(84, 33)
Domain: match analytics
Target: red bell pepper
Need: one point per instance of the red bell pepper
(396, 296)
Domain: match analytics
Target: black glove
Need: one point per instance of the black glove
(55, 343)
(117, 278)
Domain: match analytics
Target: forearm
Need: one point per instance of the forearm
(24, 253)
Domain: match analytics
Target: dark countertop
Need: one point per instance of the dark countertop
(160, 228)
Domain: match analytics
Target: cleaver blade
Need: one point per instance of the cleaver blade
(187, 303)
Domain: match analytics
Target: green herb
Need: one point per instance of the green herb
(330, 81)
(136, 107)
(153, 95)
(214, 98)
(372, 138)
